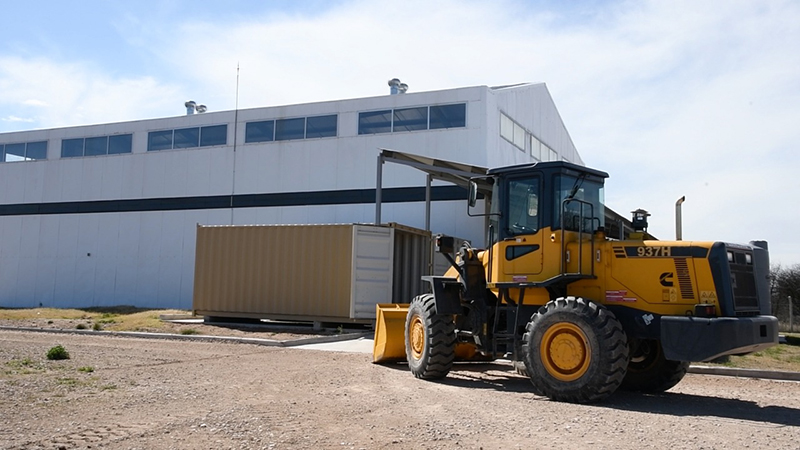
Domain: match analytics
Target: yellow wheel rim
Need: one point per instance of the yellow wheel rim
(565, 351)
(417, 336)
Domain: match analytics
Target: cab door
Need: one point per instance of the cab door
(520, 250)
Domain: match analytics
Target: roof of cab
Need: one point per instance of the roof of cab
(550, 165)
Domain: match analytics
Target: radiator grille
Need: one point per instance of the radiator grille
(745, 297)
(684, 278)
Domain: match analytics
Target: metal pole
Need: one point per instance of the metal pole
(679, 219)
(428, 203)
(378, 189)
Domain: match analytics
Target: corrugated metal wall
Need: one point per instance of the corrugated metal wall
(244, 271)
(412, 256)
(300, 272)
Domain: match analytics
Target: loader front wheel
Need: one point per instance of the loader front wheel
(575, 351)
(430, 339)
(649, 371)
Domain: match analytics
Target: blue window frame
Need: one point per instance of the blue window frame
(288, 129)
(372, 122)
(259, 131)
(159, 140)
(120, 143)
(213, 135)
(71, 148)
(36, 150)
(411, 119)
(321, 126)
(448, 116)
(15, 152)
(95, 146)
(24, 151)
(186, 138)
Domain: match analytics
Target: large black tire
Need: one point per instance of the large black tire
(575, 351)
(649, 371)
(430, 339)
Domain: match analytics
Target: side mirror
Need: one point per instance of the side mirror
(473, 194)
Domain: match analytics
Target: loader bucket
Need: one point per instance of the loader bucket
(390, 340)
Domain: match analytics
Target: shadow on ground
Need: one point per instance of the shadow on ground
(501, 377)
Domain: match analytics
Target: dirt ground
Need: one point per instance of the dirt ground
(127, 393)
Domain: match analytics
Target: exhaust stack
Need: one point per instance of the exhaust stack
(679, 219)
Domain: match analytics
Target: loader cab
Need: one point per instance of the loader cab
(539, 198)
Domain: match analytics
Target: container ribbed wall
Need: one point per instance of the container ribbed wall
(273, 270)
(311, 272)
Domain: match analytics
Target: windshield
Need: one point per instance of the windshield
(584, 206)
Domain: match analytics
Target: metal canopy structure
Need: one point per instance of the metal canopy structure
(437, 169)
(460, 174)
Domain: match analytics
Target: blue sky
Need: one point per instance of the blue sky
(671, 98)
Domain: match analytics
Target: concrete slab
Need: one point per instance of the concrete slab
(360, 345)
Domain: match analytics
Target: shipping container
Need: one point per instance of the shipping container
(326, 273)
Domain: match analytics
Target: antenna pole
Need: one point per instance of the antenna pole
(235, 139)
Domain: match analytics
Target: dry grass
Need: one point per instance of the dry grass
(781, 357)
(117, 318)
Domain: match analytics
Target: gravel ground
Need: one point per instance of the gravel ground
(126, 393)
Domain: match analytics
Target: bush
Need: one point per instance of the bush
(188, 331)
(57, 352)
(80, 326)
(97, 326)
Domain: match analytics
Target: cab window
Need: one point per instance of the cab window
(523, 206)
(584, 206)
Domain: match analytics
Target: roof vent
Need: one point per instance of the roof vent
(396, 87)
(190, 107)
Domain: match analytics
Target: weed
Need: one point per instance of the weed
(339, 329)
(23, 366)
(97, 326)
(188, 331)
(108, 387)
(68, 381)
(80, 326)
(86, 369)
(57, 352)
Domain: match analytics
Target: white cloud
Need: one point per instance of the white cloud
(52, 94)
(35, 102)
(16, 119)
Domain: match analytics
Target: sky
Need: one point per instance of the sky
(671, 98)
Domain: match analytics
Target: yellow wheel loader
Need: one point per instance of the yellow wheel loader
(579, 313)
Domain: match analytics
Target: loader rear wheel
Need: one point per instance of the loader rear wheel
(649, 371)
(430, 339)
(575, 351)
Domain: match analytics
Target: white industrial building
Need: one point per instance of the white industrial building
(105, 215)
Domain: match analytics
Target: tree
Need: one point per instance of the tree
(785, 283)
